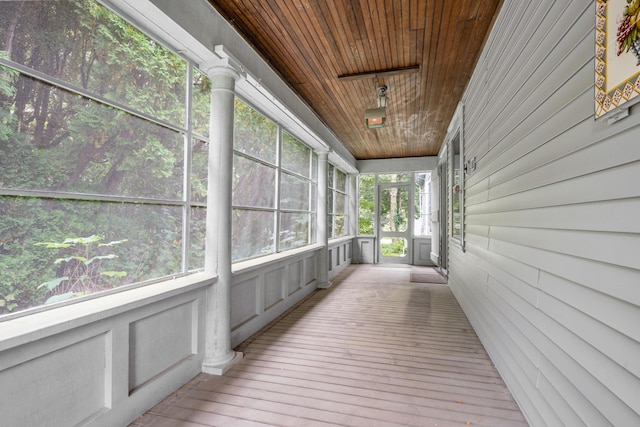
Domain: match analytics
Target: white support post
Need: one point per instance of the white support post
(219, 356)
(352, 210)
(323, 236)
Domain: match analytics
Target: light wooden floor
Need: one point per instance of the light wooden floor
(373, 350)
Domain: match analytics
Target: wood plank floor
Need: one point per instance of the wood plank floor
(373, 350)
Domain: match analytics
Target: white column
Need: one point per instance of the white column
(352, 193)
(219, 356)
(322, 236)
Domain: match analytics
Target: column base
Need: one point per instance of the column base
(325, 285)
(221, 368)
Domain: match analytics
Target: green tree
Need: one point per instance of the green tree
(53, 140)
(366, 202)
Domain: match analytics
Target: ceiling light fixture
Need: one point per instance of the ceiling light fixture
(376, 117)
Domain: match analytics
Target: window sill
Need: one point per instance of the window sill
(31, 327)
(255, 263)
(340, 240)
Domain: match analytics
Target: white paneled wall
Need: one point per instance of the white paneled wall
(105, 360)
(120, 354)
(265, 288)
(421, 251)
(365, 250)
(340, 255)
(551, 274)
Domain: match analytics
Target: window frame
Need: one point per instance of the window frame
(332, 191)
(278, 210)
(455, 135)
(185, 203)
(428, 194)
(409, 179)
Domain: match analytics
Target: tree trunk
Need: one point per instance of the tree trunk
(11, 29)
(393, 203)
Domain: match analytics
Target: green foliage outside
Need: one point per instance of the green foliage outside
(254, 187)
(80, 268)
(394, 249)
(253, 183)
(81, 154)
(392, 218)
(366, 212)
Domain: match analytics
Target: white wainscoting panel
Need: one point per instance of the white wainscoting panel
(102, 361)
(266, 287)
(246, 294)
(295, 279)
(274, 286)
(340, 252)
(161, 340)
(63, 387)
(422, 251)
(365, 250)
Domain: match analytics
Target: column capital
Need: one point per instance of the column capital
(224, 65)
(217, 70)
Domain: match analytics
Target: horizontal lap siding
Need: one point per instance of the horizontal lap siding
(551, 274)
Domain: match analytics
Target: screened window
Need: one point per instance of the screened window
(274, 189)
(102, 184)
(422, 204)
(367, 184)
(297, 194)
(394, 177)
(366, 204)
(337, 202)
(297, 172)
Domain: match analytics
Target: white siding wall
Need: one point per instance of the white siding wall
(551, 274)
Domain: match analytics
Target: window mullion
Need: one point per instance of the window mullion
(188, 138)
(278, 222)
(310, 199)
(254, 159)
(69, 87)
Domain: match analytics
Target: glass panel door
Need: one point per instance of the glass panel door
(394, 214)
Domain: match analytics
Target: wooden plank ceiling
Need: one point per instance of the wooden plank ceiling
(335, 53)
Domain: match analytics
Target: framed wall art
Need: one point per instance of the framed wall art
(617, 55)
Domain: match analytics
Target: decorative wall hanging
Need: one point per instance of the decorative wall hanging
(617, 62)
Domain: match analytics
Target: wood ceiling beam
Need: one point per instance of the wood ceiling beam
(381, 73)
